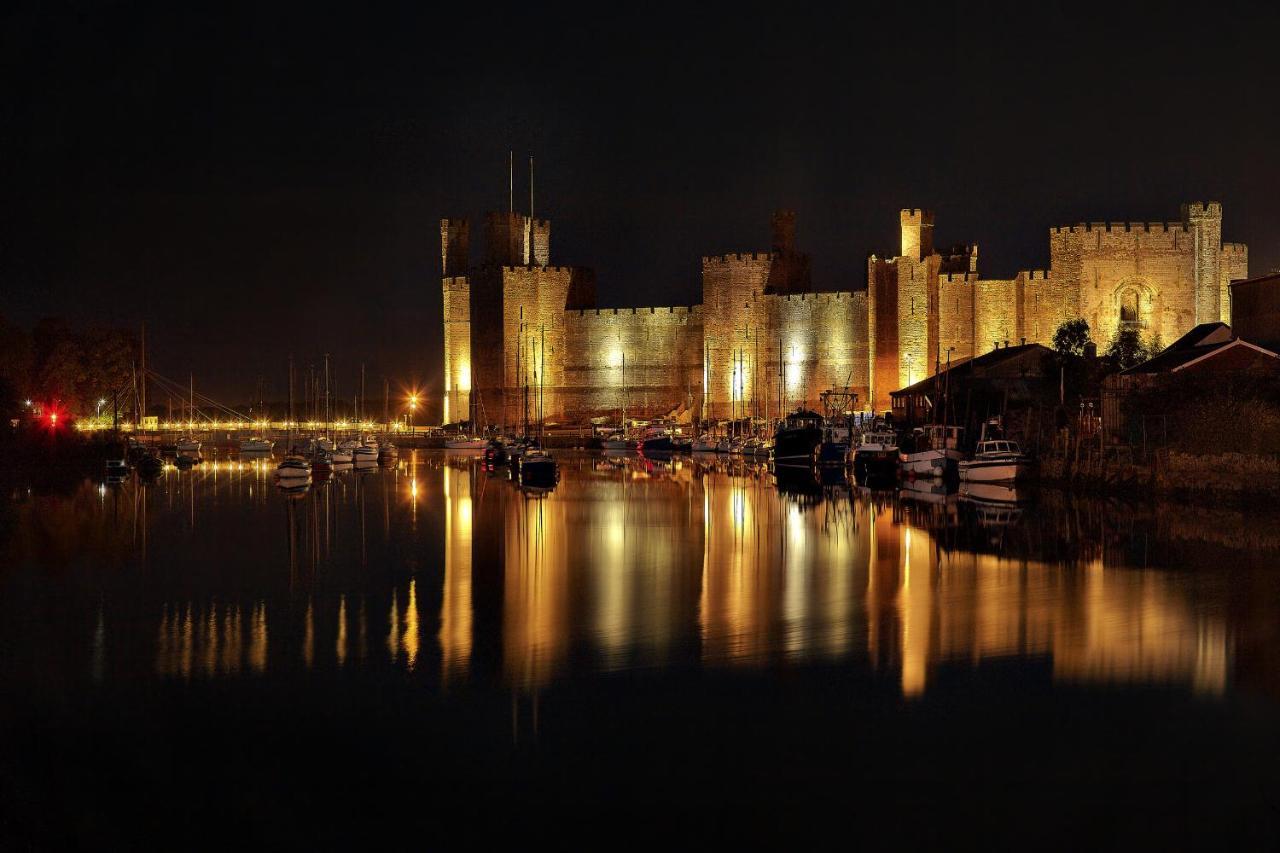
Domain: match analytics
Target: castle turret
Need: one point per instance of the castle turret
(784, 231)
(917, 233)
(455, 246)
(1205, 222)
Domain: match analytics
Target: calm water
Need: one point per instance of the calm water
(669, 640)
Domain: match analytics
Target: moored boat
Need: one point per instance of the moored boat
(255, 445)
(797, 438)
(933, 451)
(293, 467)
(995, 461)
(464, 442)
(876, 454)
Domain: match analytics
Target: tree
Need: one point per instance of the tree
(1127, 349)
(1071, 337)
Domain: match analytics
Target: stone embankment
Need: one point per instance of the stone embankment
(1171, 474)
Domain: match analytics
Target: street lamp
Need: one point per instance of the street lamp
(413, 408)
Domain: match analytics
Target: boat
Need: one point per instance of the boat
(797, 438)
(365, 453)
(325, 443)
(150, 465)
(657, 439)
(185, 461)
(294, 466)
(342, 456)
(321, 462)
(187, 445)
(618, 442)
(537, 465)
(464, 442)
(681, 444)
(837, 427)
(387, 452)
(256, 445)
(833, 454)
(933, 451)
(757, 448)
(496, 453)
(705, 443)
(876, 454)
(348, 445)
(995, 461)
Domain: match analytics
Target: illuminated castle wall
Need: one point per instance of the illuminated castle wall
(765, 340)
(1161, 278)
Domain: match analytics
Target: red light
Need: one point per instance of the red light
(53, 417)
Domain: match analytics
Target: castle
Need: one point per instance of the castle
(524, 336)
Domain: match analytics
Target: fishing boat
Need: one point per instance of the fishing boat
(797, 438)
(933, 451)
(255, 445)
(464, 442)
(837, 427)
(876, 454)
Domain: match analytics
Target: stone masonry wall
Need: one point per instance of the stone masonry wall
(656, 352)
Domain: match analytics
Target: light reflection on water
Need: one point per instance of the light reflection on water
(451, 573)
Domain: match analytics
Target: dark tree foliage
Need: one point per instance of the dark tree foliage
(1071, 338)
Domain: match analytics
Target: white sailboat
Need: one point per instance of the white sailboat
(295, 467)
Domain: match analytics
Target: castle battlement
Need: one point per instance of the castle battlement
(1237, 249)
(451, 281)
(1196, 210)
(1037, 275)
(957, 278)
(1120, 227)
(682, 310)
(555, 269)
(736, 257)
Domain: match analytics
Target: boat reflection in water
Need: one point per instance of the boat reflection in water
(639, 562)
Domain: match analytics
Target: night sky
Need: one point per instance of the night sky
(257, 181)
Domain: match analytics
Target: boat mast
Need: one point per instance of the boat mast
(328, 410)
(288, 424)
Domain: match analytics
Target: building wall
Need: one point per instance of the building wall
(648, 360)
(1255, 311)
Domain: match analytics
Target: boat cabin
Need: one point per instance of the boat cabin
(999, 447)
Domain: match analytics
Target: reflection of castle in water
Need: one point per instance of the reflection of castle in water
(628, 566)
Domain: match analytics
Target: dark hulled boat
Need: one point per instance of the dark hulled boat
(798, 438)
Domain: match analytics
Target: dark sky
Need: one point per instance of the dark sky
(252, 181)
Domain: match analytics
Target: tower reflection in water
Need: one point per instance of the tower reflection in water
(459, 575)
